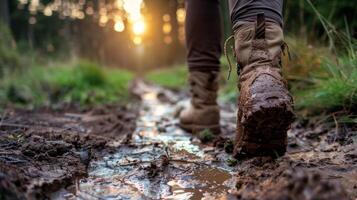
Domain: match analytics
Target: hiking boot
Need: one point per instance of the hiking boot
(203, 112)
(265, 107)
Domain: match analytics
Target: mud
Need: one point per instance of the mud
(160, 161)
(46, 149)
(113, 153)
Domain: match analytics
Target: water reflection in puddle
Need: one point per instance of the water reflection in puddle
(140, 172)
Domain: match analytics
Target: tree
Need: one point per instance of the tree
(4, 11)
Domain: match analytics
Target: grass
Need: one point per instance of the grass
(174, 77)
(334, 92)
(334, 88)
(82, 82)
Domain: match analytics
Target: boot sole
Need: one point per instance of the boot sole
(195, 129)
(266, 130)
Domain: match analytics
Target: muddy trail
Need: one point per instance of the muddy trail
(138, 152)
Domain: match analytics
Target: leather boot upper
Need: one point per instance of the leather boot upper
(204, 108)
(264, 103)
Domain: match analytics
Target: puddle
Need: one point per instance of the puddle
(208, 184)
(164, 163)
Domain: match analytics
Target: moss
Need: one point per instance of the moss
(232, 162)
(206, 136)
(228, 146)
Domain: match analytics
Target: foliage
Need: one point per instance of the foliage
(304, 63)
(300, 16)
(9, 57)
(82, 82)
(335, 88)
(336, 91)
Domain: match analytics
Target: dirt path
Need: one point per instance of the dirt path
(158, 160)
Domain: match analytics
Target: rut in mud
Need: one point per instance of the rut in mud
(97, 154)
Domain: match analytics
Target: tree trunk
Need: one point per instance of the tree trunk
(302, 18)
(4, 12)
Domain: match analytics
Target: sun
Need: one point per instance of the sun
(135, 18)
(139, 27)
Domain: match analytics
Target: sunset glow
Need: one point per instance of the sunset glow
(133, 8)
(135, 18)
(139, 27)
(119, 26)
(121, 15)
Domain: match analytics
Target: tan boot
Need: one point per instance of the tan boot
(265, 107)
(203, 112)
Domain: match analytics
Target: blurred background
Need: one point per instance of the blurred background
(138, 34)
(86, 51)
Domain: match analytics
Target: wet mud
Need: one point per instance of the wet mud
(160, 161)
(44, 150)
(115, 153)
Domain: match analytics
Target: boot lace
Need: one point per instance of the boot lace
(284, 49)
(227, 56)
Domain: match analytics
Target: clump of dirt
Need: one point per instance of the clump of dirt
(43, 150)
(301, 185)
(265, 178)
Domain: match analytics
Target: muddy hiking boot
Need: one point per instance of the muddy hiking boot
(265, 107)
(203, 112)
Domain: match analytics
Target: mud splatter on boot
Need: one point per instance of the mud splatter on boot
(265, 107)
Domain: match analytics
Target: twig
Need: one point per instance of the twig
(15, 125)
(170, 160)
(188, 162)
(2, 118)
(136, 163)
(37, 126)
(336, 127)
(11, 160)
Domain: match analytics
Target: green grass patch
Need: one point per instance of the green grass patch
(83, 82)
(334, 92)
(174, 77)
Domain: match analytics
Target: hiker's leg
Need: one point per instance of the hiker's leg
(247, 10)
(203, 35)
(265, 107)
(203, 40)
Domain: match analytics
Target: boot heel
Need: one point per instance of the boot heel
(266, 130)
